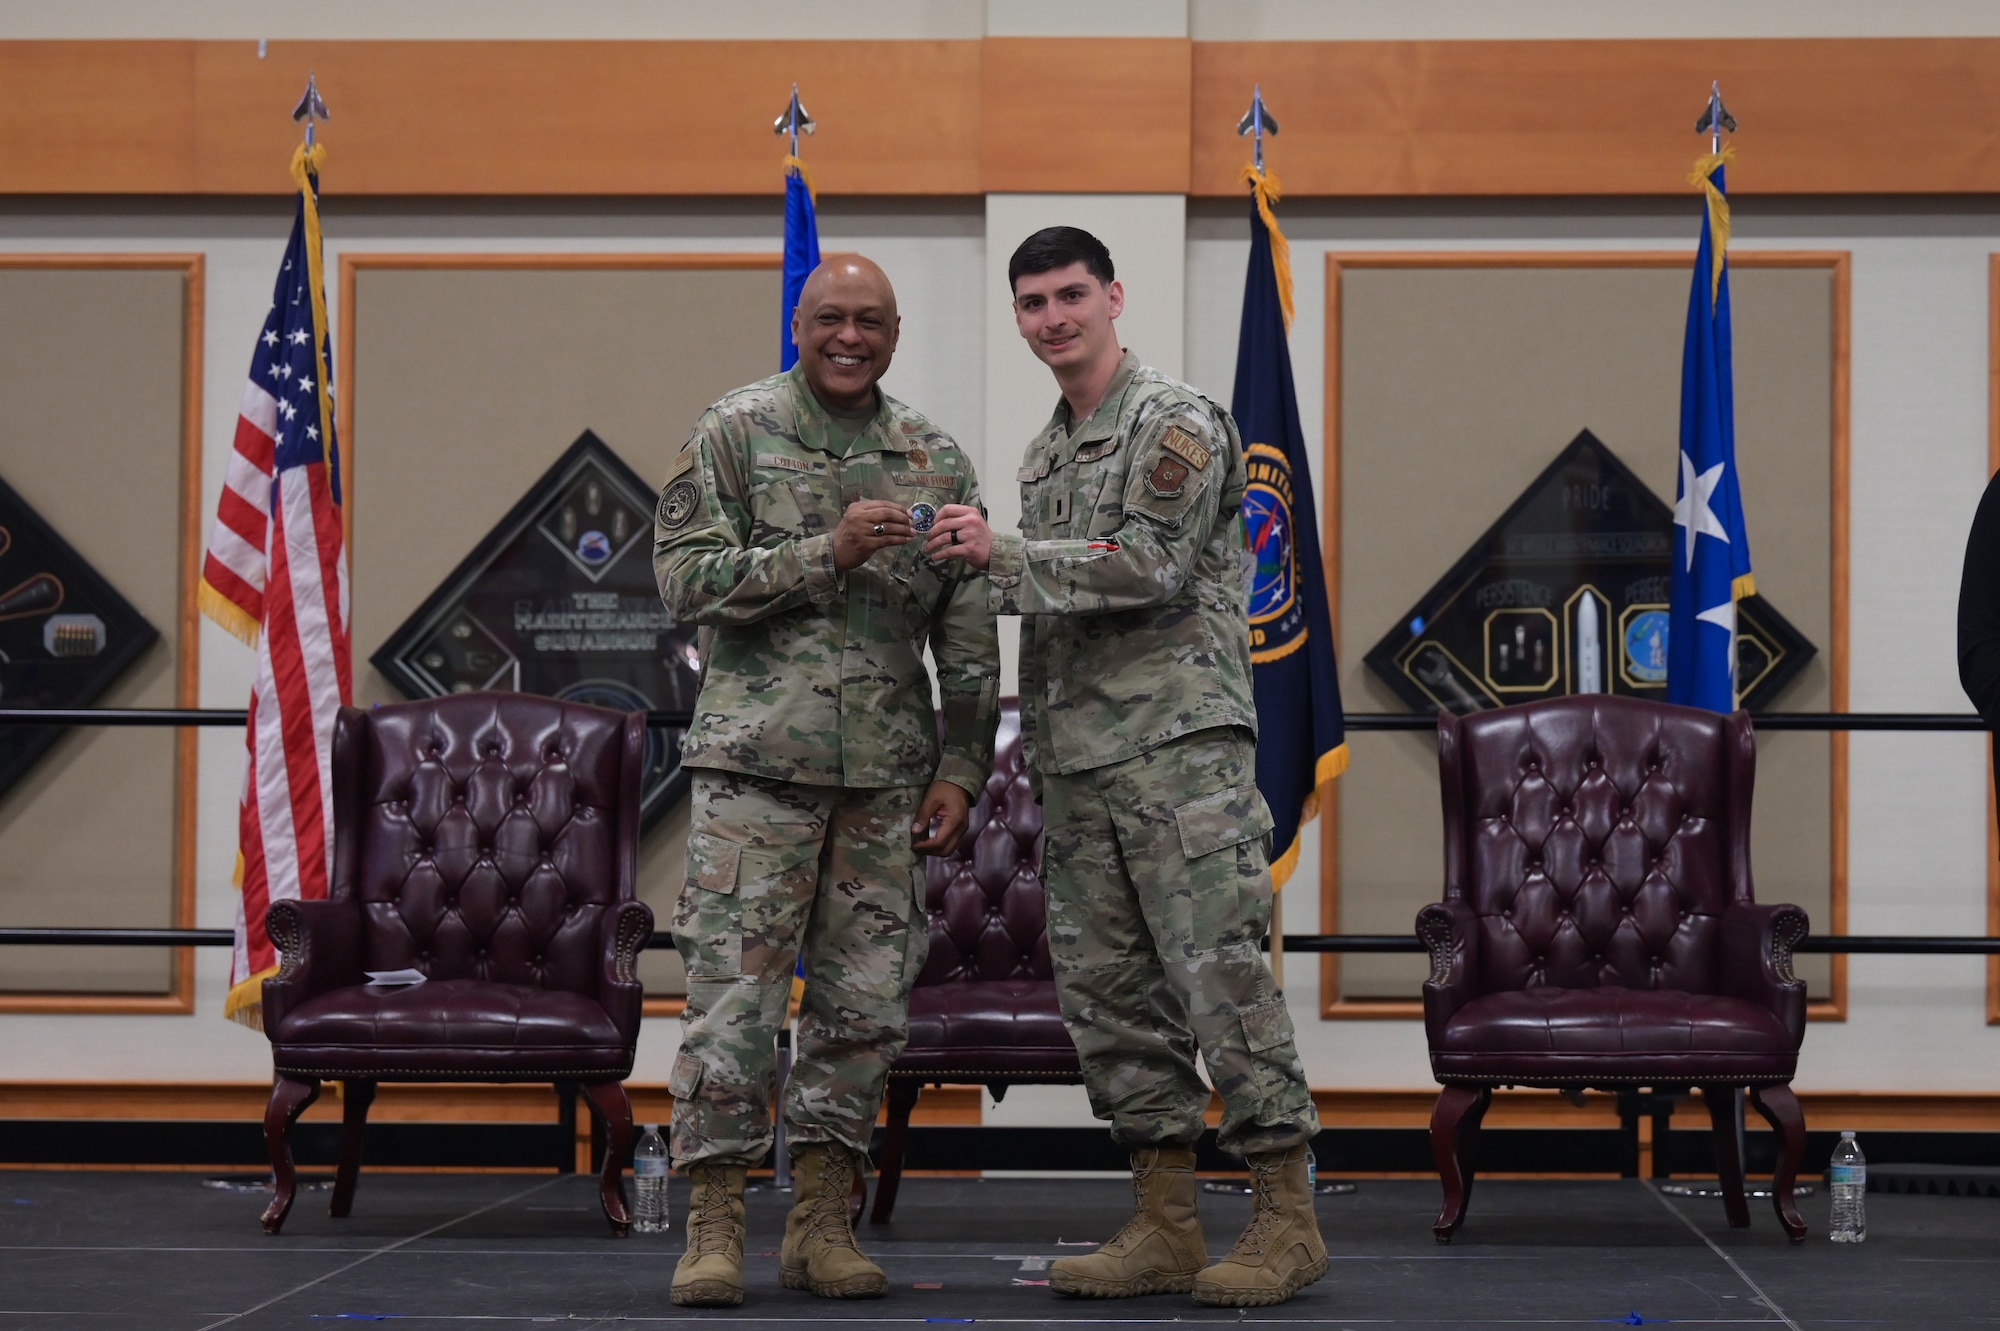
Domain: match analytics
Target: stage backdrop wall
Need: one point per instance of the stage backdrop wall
(1458, 380)
(469, 382)
(93, 365)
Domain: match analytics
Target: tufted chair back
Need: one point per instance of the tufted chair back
(1597, 840)
(988, 918)
(486, 836)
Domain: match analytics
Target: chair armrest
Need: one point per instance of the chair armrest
(1450, 933)
(1757, 943)
(622, 934)
(319, 948)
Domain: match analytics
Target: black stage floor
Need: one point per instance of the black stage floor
(162, 1252)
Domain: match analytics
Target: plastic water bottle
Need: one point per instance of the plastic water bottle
(649, 1180)
(1847, 1180)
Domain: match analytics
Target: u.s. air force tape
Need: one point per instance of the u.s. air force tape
(1185, 446)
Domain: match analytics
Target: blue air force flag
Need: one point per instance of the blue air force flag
(801, 253)
(1300, 742)
(1711, 558)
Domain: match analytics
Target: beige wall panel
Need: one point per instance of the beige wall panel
(92, 373)
(469, 383)
(1458, 385)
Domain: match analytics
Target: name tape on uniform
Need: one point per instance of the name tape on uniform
(1182, 444)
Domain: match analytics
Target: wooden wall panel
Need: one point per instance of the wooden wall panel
(1115, 115)
(87, 117)
(1603, 117)
(594, 117)
(1100, 116)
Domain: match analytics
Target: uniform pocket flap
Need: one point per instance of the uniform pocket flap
(1227, 818)
(1266, 1025)
(685, 1079)
(713, 861)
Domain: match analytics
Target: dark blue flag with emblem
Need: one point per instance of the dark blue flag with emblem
(1300, 743)
(1711, 558)
(801, 252)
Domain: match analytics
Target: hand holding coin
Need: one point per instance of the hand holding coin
(866, 526)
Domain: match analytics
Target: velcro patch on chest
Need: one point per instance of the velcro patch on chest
(1186, 447)
(784, 462)
(932, 479)
(1168, 476)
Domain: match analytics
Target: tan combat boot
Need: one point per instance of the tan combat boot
(819, 1251)
(710, 1273)
(1160, 1249)
(1281, 1251)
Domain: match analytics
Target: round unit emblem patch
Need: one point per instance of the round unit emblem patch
(1277, 615)
(923, 516)
(677, 504)
(1646, 647)
(593, 547)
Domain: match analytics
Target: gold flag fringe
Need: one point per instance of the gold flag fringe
(1264, 185)
(798, 164)
(1718, 214)
(227, 613)
(1330, 765)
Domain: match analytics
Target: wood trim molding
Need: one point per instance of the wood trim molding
(1087, 115)
(1838, 264)
(352, 263)
(1472, 118)
(178, 999)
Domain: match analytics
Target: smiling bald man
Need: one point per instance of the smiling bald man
(786, 529)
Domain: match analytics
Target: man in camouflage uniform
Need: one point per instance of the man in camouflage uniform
(786, 529)
(1140, 729)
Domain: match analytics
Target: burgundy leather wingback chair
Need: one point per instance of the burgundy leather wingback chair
(984, 1008)
(489, 840)
(1599, 928)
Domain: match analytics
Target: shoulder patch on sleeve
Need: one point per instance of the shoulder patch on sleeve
(682, 461)
(1186, 447)
(678, 501)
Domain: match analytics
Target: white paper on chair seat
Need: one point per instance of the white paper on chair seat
(408, 975)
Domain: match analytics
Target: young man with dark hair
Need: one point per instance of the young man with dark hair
(1140, 730)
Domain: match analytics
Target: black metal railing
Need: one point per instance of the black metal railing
(1355, 722)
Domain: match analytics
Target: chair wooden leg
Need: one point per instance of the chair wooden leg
(1454, 1130)
(609, 1100)
(1726, 1118)
(356, 1096)
(289, 1098)
(1780, 1109)
(889, 1174)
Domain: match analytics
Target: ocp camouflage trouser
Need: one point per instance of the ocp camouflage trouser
(772, 865)
(1159, 897)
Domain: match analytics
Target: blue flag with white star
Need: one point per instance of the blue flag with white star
(801, 253)
(1711, 557)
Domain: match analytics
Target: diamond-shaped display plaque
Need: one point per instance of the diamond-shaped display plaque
(1567, 593)
(559, 599)
(65, 633)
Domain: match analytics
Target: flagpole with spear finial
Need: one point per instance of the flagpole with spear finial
(1264, 187)
(1257, 122)
(793, 121)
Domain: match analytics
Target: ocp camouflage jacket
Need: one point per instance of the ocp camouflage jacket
(1129, 571)
(807, 674)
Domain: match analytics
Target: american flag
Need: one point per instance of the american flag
(276, 576)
